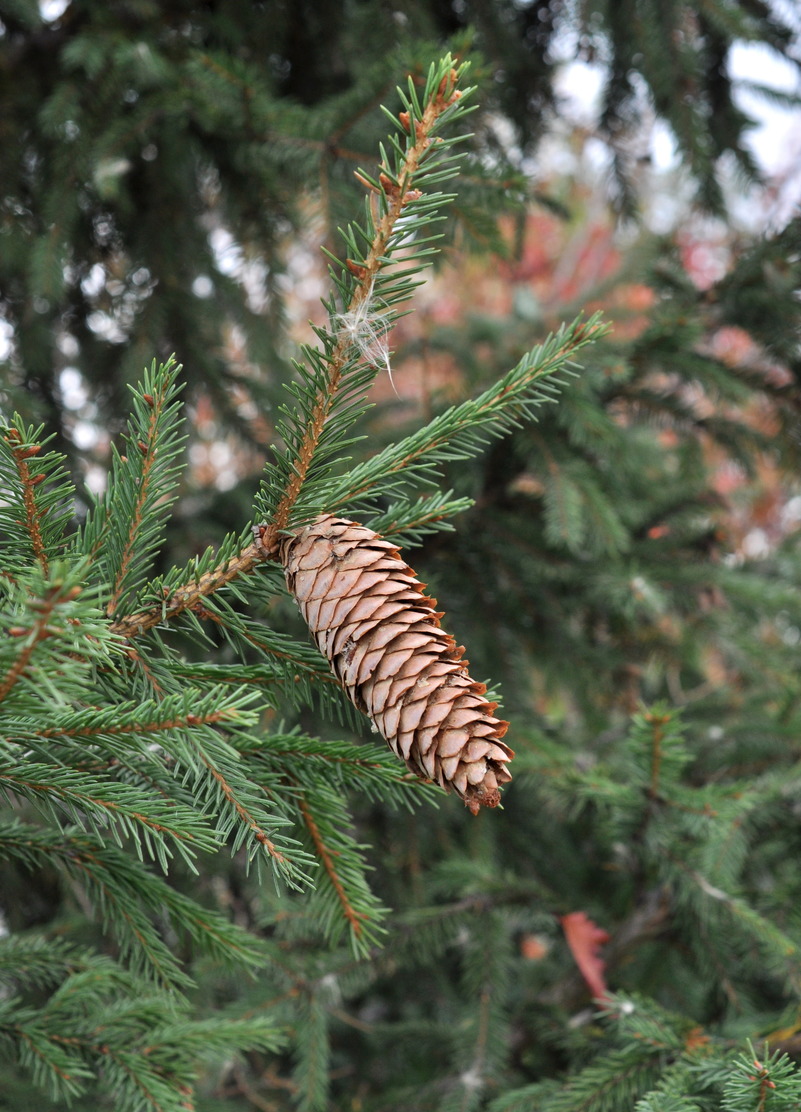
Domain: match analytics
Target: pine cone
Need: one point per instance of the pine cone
(382, 635)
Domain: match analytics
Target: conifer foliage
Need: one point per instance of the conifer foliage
(124, 760)
(219, 889)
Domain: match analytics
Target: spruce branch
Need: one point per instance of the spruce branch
(23, 451)
(37, 499)
(462, 429)
(762, 1082)
(52, 1065)
(134, 719)
(102, 1024)
(277, 647)
(124, 530)
(129, 896)
(345, 363)
(245, 817)
(309, 762)
(338, 374)
(51, 627)
(332, 384)
(397, 192)
(300, 682)
(415, 519)
(191, 596)
(33, 960)
(29, 639)
(101, 803)
(354, 918)
(242, 809)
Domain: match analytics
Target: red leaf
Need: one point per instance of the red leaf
(585, 940)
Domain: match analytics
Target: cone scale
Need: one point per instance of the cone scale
(381, 633)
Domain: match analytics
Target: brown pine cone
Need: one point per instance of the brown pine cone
(382, 635)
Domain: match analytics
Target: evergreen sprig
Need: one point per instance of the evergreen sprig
(462, 430)
(330, 385)
(55, 636)
(129, 759)
(37, 492)
(126, 527)
(103, 1024)
(129, 897)
(399, 213)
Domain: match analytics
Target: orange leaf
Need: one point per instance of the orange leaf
(585, 940)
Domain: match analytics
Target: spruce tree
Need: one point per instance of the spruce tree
(126, 754)
(619, 932)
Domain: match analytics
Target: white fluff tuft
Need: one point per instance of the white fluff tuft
(366, 329)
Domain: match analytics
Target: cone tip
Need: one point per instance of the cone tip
(479, 796)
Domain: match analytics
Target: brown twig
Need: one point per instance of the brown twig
(146, 728)
(189, 596)
(243, 813)
(354, 917)
(22, 454)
